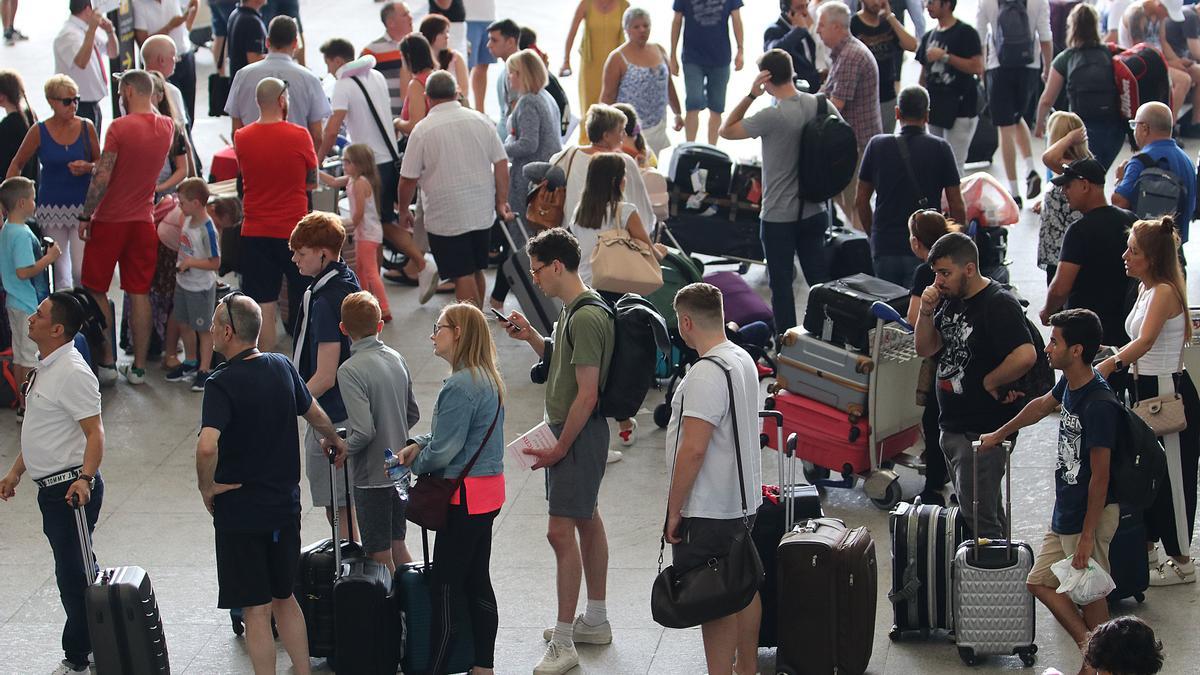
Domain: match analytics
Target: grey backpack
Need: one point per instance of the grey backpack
(1157, 191)
(1014, 39)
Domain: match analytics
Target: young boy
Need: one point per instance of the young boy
(22, 264)
(195, 284)
(380, 411)
(1085, 514)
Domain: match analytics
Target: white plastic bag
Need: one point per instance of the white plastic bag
(1084, 586)
(987, 201)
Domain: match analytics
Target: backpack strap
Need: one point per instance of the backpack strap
(388, 139)
(1147, 161)
(906, 159)
(822, 104)
(588, 302)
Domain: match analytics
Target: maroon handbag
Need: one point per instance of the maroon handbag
(429, 497)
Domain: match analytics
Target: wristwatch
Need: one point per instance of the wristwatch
(91, 480)
(83, 219)
(1117, 362)
(945, 58)
(751, 96)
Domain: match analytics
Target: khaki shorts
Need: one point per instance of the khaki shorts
(1056, 547)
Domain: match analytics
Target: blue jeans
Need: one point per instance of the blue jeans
(58, 524)
(705, 86)
(1105, 139)
(897, 269)
(802, 239)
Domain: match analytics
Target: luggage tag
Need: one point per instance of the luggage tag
(699, 178)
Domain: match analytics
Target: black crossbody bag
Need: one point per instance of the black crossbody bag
(388, 139)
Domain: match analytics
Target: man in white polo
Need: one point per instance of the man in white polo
(81, 48)
(62, 443)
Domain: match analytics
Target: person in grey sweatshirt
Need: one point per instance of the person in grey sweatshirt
(377, 391)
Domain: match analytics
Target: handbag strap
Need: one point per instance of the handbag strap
(906, 159)
(389, 141)
(221, 54)
(737, 447)
(486, 437)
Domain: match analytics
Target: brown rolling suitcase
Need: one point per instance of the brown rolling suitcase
(827, 598)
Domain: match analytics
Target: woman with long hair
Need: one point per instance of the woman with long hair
(363, 190)
(602, 34)
(468, 420)
(924, 228)
(178, 165)
(436, 29)
(418, 55)
(18, 120)
(1162, 325)
(603, 207)
(1067, 142)
(67, 148)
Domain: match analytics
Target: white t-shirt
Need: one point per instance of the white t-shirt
(64, 392)
(575, 163)
(152, 15)
(480, 10)
(703, 394)
(1038, 12)
(370, 228)
(359, 122)
(588, 237)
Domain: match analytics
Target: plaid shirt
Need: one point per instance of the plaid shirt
(854, 79)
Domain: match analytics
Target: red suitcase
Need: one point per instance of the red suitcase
(830, 438)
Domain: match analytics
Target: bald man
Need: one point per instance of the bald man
(158, 55)
(279, 167)
(1152, 132)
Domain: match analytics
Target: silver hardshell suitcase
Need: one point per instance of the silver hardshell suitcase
(827, 373)
(993, 609)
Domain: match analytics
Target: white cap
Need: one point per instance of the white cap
(1174, 9)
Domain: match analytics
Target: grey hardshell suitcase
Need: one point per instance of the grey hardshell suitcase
(541, 311)
(122, 615)
(824, 372)
(993, 609)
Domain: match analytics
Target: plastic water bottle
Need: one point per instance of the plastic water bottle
(397, 472)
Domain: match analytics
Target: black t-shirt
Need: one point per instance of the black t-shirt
(455, 13)
(923, 277)
(13, 128)
(324, 316)
(885, 47)
(254, 404)
(978, 333)
(895, 197)
(952, 93)
(1179, 32)
(1096, 243)
(1080, 428)
(247, 33)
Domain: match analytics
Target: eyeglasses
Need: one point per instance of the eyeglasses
(533, 272)
(228, 302)
(438, 326)
(69, 100)
(1133, 124)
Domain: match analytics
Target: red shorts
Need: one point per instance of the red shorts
(132, 244)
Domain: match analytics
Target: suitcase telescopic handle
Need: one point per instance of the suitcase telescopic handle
(85, 541)
(1007, 447)
(779, 445)
(337, 524)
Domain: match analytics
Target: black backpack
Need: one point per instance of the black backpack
(1039, 379)
(828, 154)
(640, 333)
(1157, 189)
(1091, 89)
(1138, 463)
(1014, 40)
(564, 106)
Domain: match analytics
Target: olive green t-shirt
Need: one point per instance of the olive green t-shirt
(591, 344)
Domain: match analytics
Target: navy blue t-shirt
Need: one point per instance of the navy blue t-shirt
(324, 317)
(254, 404)
(247, 34)
(1080, 428)
(895, 197)
(706, 30)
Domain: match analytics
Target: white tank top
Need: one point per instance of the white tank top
(1163, 357)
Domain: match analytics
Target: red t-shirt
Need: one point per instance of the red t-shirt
(141, 142)
(274, 159)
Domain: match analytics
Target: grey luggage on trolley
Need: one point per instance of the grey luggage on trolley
(827, 373)
(541, 311)
(993, 609)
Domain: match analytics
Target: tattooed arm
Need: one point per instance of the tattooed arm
(96, 190)
(311, 179)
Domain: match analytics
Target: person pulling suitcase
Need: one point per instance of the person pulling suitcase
(62, 444)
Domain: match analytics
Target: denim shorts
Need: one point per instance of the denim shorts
(477, 51)
(705, 87)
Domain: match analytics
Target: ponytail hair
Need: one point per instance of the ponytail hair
(927, 226)
(1159, 242)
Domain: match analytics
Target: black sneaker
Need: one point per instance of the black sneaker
(181, 372)
(201, 378)
(931, 498)
(235, 618)
(1033, 185)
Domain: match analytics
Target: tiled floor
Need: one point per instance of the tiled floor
(153, 516)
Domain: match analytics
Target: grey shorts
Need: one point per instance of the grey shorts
(194, 309)
(573, 485)
(704, 539)
(316, 466)
(380, 513)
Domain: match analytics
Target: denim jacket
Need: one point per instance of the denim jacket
(464, 410)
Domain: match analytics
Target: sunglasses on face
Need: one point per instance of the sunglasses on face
(69, 100)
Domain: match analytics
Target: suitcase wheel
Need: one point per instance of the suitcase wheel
(1027, 655)
(662, 415)
(890, 498)
(1140, 597)
(814, 473)
(967, 655)
(895, 635)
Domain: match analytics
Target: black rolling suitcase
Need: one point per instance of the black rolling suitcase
(367, 626)
(687, 157)
(541, 311)
(839, 312)
(1128, 559)
(924, 541)
(122, 615)
(986, 139)
(775, 516)
(728, 233)
(848, 252)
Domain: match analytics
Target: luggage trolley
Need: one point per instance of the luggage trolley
(893, 419)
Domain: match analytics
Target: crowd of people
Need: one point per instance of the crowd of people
(430, 176)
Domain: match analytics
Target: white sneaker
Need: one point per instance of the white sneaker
(1152, 556)
(427, 282)
(557, 660)
(614, 456)
(131, 374)
(67, 668)
(106, 375)
(628, 436)
(585, 634)
(1171, 573)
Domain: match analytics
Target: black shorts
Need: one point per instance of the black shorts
(706, 538)
(255, 567)
(388, 183)
(462, 254)
(263, 263)
(1010, 91)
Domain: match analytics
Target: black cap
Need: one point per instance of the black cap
(1085, 169)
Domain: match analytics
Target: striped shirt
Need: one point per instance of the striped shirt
(389, 62)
